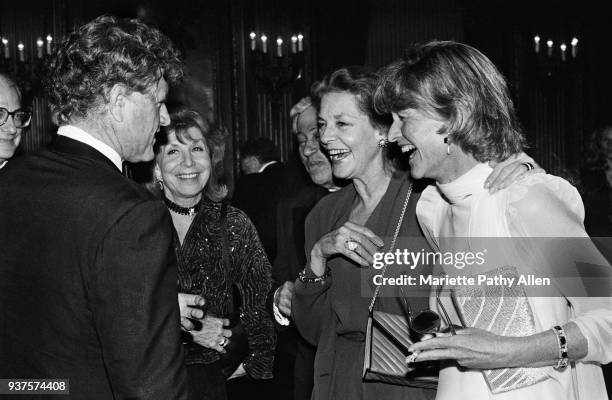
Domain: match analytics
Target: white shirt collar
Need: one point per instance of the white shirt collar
(266, 166)
(3, 164)
(80, 135)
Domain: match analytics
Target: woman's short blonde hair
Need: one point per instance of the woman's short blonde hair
(458, 84)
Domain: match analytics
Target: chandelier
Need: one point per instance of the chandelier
(24, 60)
(279, 64)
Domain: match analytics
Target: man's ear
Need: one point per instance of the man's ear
(17, 140)
(117, 102)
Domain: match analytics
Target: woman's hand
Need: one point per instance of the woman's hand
(212, 334)
(356, 242)
(188, 304)
(471, 348)
(509, 171)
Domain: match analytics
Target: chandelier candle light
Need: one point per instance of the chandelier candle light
(39, 48)
(279, 47)
(536, 43)
(294, 40)
(5, 43)
(549, 44)
(21, 48)
(49, 40)
(574, 44)
(563, 47)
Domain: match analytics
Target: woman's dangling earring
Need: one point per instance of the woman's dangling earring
(447, 146)
(383, 143)
(161, 184)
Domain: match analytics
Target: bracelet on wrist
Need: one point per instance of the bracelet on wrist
(316, 279)
(563, 360)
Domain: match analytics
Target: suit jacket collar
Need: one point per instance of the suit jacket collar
(64, 144)
(78, 134)
(267, 165)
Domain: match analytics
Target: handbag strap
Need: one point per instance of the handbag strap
(392, 246)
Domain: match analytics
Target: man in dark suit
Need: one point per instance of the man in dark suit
(87, 275)
(295, 356)
(258, 194)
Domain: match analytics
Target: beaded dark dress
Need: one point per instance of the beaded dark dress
(201, 271)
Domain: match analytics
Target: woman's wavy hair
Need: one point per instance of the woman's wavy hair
(460, 85)
(599, 149)
(102, 53)
(361, 82)
(181, 120)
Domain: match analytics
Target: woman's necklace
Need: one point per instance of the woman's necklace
(191, 211)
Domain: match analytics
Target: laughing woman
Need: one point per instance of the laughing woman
(452, 112)
(217, 248)
(346, 228)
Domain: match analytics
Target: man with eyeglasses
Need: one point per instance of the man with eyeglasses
(12, 118)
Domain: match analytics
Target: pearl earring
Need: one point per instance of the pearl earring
(383, 143)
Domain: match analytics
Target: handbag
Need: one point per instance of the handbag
(388, 340)
(237, 348)
(503, 311)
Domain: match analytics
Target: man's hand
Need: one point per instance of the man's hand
(282, 298)
(188, 304)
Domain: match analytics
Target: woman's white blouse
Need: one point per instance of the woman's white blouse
(539, 211)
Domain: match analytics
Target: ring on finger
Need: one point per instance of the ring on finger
(411, 359)
(223, 342)
(529, 166)
(351, 245)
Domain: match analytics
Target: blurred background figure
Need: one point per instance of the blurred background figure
(258, 154)
(258, 192)
(235, 329)
(596, 177)
(596, 185)
(12, 118)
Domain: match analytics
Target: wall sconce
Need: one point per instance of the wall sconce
(22, 58)
(281, 67)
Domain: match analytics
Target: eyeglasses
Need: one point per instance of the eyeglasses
(21, 118)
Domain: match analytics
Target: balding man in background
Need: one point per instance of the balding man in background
(12, 119)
